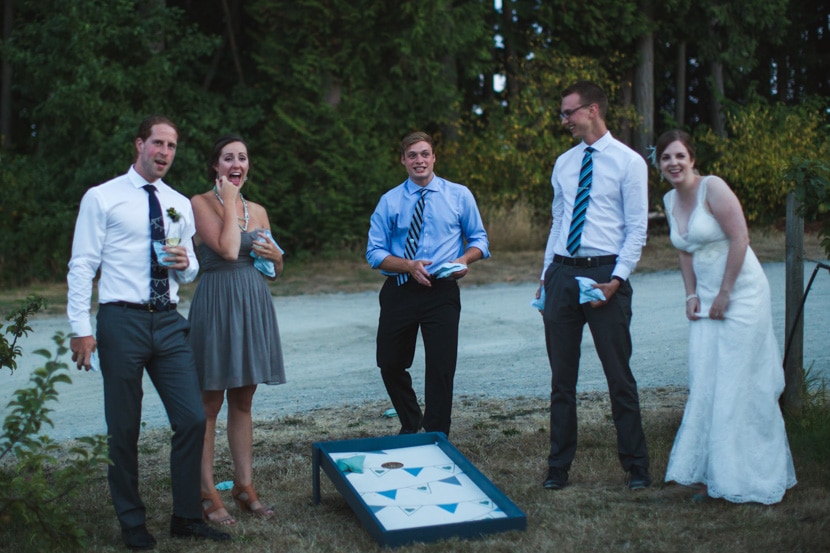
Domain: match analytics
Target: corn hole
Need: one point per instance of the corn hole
(415, 487)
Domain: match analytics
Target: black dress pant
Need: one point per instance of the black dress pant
(129, 341)
(436, 311)
(565, 319)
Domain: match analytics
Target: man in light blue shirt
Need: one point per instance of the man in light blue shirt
(444, 235)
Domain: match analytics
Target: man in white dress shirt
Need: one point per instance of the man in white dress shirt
(600, 185)
(138, 327)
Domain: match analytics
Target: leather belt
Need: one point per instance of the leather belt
(142, 306)
(594, 261)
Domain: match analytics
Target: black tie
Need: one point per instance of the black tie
(159, 283)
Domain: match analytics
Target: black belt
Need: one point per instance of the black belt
(595, 261)
(148, 307)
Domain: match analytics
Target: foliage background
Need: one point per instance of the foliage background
(324, 89)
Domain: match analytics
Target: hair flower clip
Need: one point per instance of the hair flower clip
(652, 156)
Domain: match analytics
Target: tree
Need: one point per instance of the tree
(721, 39)
(345, 89)
(6, 80)
(644, 85)
(95, 68)
(797, 66)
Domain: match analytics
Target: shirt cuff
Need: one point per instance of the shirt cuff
(81, 328)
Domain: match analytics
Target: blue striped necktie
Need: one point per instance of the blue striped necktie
(583, 197)
(414, 234)
(159, 283)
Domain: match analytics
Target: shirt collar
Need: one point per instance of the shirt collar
(600, 144)
(412, 188)
(138, 181)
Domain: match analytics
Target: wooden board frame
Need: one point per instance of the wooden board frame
(325, 454)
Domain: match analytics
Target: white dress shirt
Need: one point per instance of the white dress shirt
(617, 218)
(113, 233)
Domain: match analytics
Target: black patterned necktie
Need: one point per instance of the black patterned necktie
(583, 197)
(159, 283)
(414, 234)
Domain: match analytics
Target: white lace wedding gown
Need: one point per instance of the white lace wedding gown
(732, 437)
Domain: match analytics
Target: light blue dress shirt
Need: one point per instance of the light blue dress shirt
(452, 224)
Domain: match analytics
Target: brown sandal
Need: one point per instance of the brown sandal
(214, 504)
(246, 497)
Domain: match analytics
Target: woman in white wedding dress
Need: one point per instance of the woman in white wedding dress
(732, 443)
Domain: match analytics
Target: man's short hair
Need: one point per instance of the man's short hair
(414, 138)
(589, 93)
(145, 129)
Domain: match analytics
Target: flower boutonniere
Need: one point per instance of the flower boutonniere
(173, 214)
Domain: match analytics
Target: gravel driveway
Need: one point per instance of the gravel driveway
(329, 347)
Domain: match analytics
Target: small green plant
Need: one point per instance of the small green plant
(813, 425)
(37, 475)
(18, 329)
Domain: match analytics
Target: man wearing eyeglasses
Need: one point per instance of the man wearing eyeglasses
(600, 213)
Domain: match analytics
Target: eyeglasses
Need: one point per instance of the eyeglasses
(568, 112)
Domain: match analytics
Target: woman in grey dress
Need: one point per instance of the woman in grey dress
(234, 332)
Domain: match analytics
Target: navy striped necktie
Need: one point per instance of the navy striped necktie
(583, 197)
(414, 234)
(159, 283)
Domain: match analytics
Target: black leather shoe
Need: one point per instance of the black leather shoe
(556, 480)
(138, 538)
(195, 528)
(638, 478)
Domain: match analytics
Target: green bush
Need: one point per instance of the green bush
(763, 142)
(37, 476)
(506, 155)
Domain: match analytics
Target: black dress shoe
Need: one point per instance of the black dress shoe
(556, 480)
(638, 478)
(138, 538)
(195, 528)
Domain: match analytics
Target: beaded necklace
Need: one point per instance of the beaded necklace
(246, 218)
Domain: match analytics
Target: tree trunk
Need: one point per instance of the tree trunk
(625, 131)
(6, 82)
(450, 131)
(510, 65)
(232, 42)
(644, 94)
(680, 86)
(718, 126)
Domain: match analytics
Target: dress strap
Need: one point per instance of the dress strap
(701, 191)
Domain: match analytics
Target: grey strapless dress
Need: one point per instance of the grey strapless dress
(233, 325)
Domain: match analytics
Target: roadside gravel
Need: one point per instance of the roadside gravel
(329, 348)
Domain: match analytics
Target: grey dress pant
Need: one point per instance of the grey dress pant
(565, 319)
(130, 341)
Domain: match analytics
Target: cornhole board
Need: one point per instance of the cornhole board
(414, 488)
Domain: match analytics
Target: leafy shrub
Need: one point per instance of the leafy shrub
(506, 154)
(34, 482)
(763, 141)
